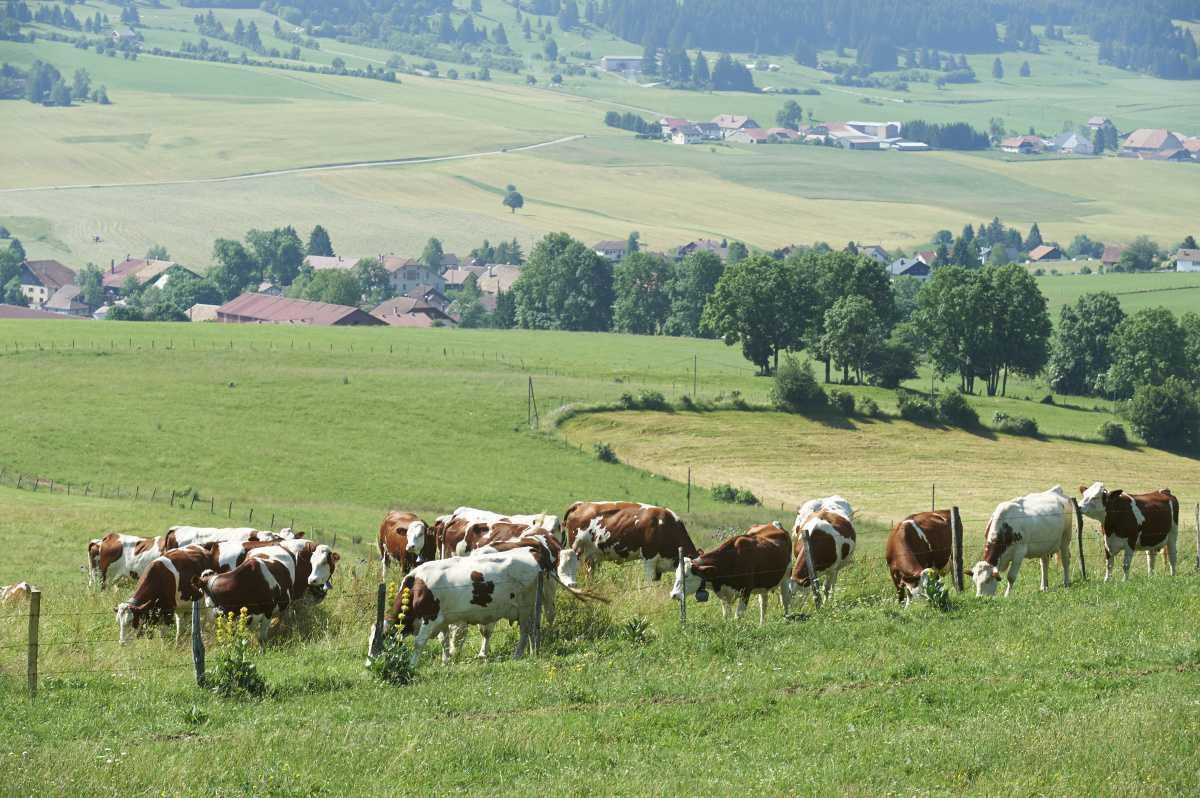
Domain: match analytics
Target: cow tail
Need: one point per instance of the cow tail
(1174, 507)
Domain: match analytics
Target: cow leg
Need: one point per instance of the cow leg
(1064, 559)
(830, 581)
(1171, 552)
(1108, 558)
(1151, 556)
(1128, 561)
(724, 609)
(179, 623)
(649, 570)
(548, 601)
(1045, 563)
(743, 602)
(485, 631)
(428, 629)
(1013, 571)
(525, 623)
(785, 594)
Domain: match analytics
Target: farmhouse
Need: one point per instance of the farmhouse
(728, 123)
(404, 274)
(749, 135)
(1023, 145)
(326, 262)
(1045, 252)
(928, 257)
(1073, 144)
(21, 312)
(1150, 140)
(499, 279)
(1111, 255)
(429, 294)
(406, 311)
(874, 252)
(720, 249)
(687, 134)
(1097, 122)
(40, 279)
(202, 312)
(144, 270)
(66, 301)
(909, 267)
(457, 277)
(621, 63)
(1187, 260)
(878, 130)
(261, 309)
(783, 134)
(614, 250)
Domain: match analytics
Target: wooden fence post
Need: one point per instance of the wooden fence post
(250, 518)
(956, 547)
(31, 659)
(536, 638)
(197, 643)
(812, 575)
(1198, 536)
(933, 498)
(193, 504)
(1079, 537)
(682, 593)
(230, 513)
(272, 526)
(377, 629)
(689, 490)
(212, 504)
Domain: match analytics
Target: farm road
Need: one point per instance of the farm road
(302, 169)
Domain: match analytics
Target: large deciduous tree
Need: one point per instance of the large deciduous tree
(564, 286)
(1080, 349)
(1146, 349)
(753, 305)
(693, 280)
(641, 286)
(853, 332)
(234, 268)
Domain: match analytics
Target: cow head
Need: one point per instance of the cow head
(688, 582)
(94, 560)
(568, 567)
(1094, 501)
(415, 540)
(320, 579)
(130, 618)
(986, 577)
(920, 590)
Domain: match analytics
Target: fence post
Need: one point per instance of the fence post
(537, 615)
(197, 643)
(137, 491)
(172, 502)
(812, 575)
(35, 614)
(956, 547)
(933, 498)
(689, 493)
(1198, 536)
(250, 518)
(212, 504)
(682, 593)
(1079, 537)
(193, 504)
(377, 629)
(230, 513)
(86, 489)
(272, 526)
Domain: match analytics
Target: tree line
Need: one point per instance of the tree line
(44, 84)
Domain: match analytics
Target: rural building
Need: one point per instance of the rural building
(720, 249)
(1111, 255)
(728, 123)
(621, 63)
(1023, 145)
(123, 35)
(783, 134)
(929, 258)
(22, 312)
(327, 262)
(405, 274)
(1147, 139)
(1187, 260)
(67, 301)
(1073, 144)
(874, 252)
(457, 277)
(202, 312)
(499, 279)
(40, 279)
(879, 130)
(748, 135)
(1045, 252)
(1097, 122)
(910, 146)
(145, 270)
(429, 294)
(687, 134)
(253, 308)
(268, 287)
(614, 250)
(909, 267)
(406, 311)
(669, 124)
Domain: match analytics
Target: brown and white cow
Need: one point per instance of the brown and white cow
(114, 556)
(1036, 525)
(918, 547)
(166, 588)
(1132, 522)
(404, 537)
(623, 531)
(831, 536)
(11, 594)
(451, 530)
(754, 563)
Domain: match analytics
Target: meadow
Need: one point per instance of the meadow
(334, 426)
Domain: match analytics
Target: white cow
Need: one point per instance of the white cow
(833, 504)
(115, 555)
(187, 535)
(1037, 525)
(833, 540)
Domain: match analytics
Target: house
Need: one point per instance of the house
(122, 35)
(687, 134)
(909, 267)
(430, 295)
(1187, 260)
(456, 278)
(929, 258)
(22, 312)
(720, 249)
(669, 124)
(1044, 252)
(1111, 255)
(202, 312)
(145, 270)
(879, 130)
(782, 134)
(404, 274)
(850, 139)
(251, 308)
(1147, 139)
(621, 63)
(910, 146)
(874, 252)
(749, 135)
(614, 250)
(67, 301)
(406, 311)
(1023, 145)
(40, 279)
(711, 131)
(499, 279)
(731, 122)
(268, 287)
(326, 262)
(1097, 122)
(1177, 154)
(1073, 144)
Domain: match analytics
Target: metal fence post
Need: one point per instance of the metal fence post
(31, 659)
(682, 593)
(197, 643)
(812, 575)
(956, 547)
(377, 630)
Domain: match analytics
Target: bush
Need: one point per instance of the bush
(687, 402)
(954, 409)
(627, 402)
(652, 400)
(605, 453)
(795, 388)
(869, 407)
(392, 665)
(1113, 433)
(1167, 416)
(843, 401)
(913, 407)
(235, 676)
(1048, 399)
(731, 495)
(1015, 425)
(891, 363)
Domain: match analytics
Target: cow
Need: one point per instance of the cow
(1036, 525)
(482, 589)
(114, 556)
(404, 537)
(1132, 522)
(450, 530)
(754, 563)
(918, 548)
(11, 594)
(165, 588)
(622, 531)
(180, 536)
(831, 536)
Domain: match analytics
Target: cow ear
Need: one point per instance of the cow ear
(1082, 490)
(335, 556)
(1110, 496)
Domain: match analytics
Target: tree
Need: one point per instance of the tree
(277, 252)
(853, 331)
(12, 293)
(433, 254)
(641, 287)
(550, 50)
(737, 252)
(693, 280)
(564, 286)
(1146, 349)
(997, 69)
(504, 317)
(650, 60)
(701, 75)
(568, 15)
(1034, 239)
(892, 361)
(1084, 247)
(943, 237)
(1189, 242)
(60, 94)
(373, 280)
(752, 305)
(158, 252)
(965, 253)
(513, 199)
(1098, 142)
(1166, 416)
(1080, 354)
(91, 283)
(632, 242)
(100, 96)
(335, 286)
(81, 84)
(790, 115)
(1139, 256)
(234, 269)
(1025, 70)
(319, 243)
(804, 54)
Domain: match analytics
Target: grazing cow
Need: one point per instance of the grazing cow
(622, 531)
(165, 588)
(404, 537)
(180, 536)
(754, 563)
(482, 589)
(11, 594)
(1131, 522)
(831, 536)
(450, 530)
(114, 556)
(918, 547)
(1037, 525)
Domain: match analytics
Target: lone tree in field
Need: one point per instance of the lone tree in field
(790, 115)
(1025, 70)
(997, 69)
(513, 199)
(319, 243)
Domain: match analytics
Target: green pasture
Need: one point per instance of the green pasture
(331, 427)
(1178, 291)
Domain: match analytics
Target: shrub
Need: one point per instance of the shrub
(913, 407)
(235, 676)
(939, 595)
(1113, 433)
(392, 665)
(1167, 416)
(843, 401)
(891, 363)
(652, 400)
(1085, 269)
(627, 402)
(687, 402)
(954, 409)
(869, 407)
(1048, 399)
(1015, 425)
(747, 498)
(731, 495)
(795, 388)
(605, 453)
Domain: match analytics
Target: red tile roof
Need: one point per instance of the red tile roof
(141, 268)
(50, 273)
(19, 312)
(265, 309)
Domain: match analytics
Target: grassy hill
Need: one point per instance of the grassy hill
(330, 427)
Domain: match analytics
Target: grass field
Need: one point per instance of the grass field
(1179, 291)
(872, 698)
